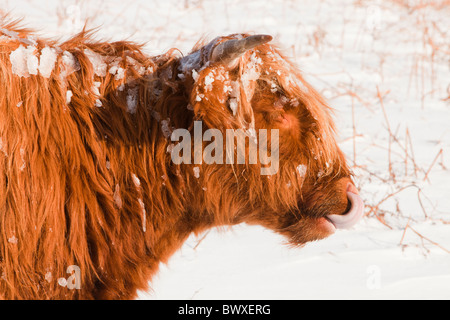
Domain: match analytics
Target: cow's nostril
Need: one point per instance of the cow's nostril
(351, 217)
(350, 188)
(349, 206)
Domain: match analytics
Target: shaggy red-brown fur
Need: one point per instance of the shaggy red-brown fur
(87, 180)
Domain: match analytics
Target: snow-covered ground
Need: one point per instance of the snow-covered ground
(384, 66)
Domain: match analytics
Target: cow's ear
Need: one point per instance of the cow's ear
(228, 52)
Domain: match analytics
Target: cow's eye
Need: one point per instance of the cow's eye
(271, 84)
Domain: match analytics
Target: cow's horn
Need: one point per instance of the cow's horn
(227, 52)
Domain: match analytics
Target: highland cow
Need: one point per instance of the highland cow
(90, 200)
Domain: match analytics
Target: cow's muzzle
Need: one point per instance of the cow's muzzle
(353, 215)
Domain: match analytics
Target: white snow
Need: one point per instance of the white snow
(136, 180)
(22, 157)
(352, 52)
(70, 64)
(199, 97)
(47, 61)
(273, 87)
(98, 62)
(96, 92)
(294, 102)
(227, 89)
(48, 277)
(24, 61)
(195, 75)
(62, 282)
(132, 100)
(209, 79)
(120, 74)
(13, 240)
(69, 95)
(32, 61)
(196, 172)
(233, 104)
(169, 148)
(116, 70)
(96, 88)
(251, 74)
(137, 184)
(301, 169)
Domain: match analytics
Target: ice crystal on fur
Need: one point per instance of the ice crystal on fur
(47, 61)
(24, 62)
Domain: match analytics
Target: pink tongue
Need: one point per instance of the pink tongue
(349, 219)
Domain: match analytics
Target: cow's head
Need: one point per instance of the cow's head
(243, 82)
